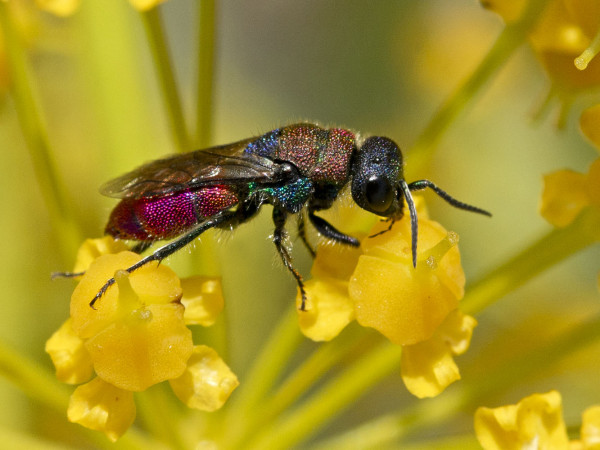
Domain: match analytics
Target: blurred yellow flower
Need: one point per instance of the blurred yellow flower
(564, 39)
(590, 428)
(566, 193)
(203, 300)
(61, 8)
(535, 422)
(134, 338)
(65, 8)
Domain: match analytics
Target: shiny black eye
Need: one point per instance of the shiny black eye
(379, 194)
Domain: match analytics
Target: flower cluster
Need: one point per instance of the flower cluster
(565, 39)
(136, 336)
(535, 422)
(416, 308)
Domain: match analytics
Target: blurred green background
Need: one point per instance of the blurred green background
(378, 68)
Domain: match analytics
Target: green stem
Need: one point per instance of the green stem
(34, 380)
(551, 249)
(35, 135)
(265, 371)
(509, 40)
(422, 415)
(166, 78)
(324, 404)
(353, 341)
(206, 63)
(159, 416)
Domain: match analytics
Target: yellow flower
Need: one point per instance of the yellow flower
(65, 8)
(134, 337)
(535, 422)
(566, 193)
(378, 285)
(404, 303)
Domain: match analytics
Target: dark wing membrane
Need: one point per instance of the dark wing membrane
(227, 164)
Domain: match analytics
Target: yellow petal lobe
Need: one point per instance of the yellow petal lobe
(70, 358)
(61, 8)
(100, 406)
(328, 308)
(202, 299)
(428, 367)
(92, 249)
(207, 381)
(145, 5)
(563, 197)
(590, 428)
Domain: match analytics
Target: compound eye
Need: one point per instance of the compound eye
(379, 194)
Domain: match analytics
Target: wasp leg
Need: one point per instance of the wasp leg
(303, 237)
(279, 236)
(172, 247)
(330, 232)
(140, 247)
(389, 228)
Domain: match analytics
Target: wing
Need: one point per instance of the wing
(227, 164)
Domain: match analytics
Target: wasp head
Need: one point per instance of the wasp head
(377, 177)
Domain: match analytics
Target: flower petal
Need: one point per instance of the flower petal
(535, 422)
(590, 427)
(207, 381)
(428, 367)
(70, 358)
(202, 299)
(592, 185)
(564, 197)
(59, 7)
(145, 5)
(589, 122)
(328, 308)
(151, 346)
(100, 406)
(92, 249)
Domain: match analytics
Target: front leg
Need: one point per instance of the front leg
(279, 237)
(329, 231)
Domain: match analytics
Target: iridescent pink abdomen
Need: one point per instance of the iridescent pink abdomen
(157, 218)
